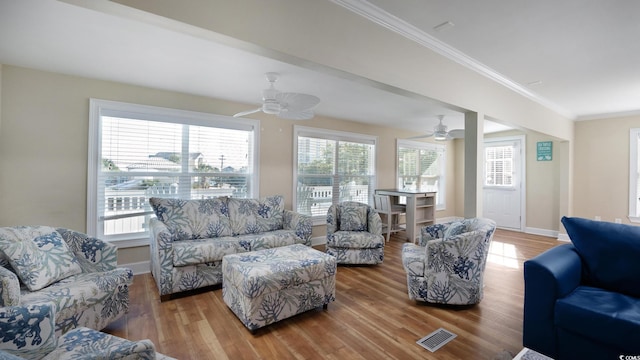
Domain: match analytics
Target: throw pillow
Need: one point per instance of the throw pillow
(193, 219)
(253, 216)
(609, 252)
(38, 254)
(353, 218)
(454, 229)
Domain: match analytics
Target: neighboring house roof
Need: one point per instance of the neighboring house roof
(154, 163)
(167, 155)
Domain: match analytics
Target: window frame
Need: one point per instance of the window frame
(335, 135)
(99, 108)
(441, 195)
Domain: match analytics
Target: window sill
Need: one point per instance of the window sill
(129, 243)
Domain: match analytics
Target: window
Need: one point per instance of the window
(634, 175)
(331, 167)
(498, 165)
(137, 152)
(421, 166)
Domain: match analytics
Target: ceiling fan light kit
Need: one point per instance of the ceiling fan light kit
(291, 106)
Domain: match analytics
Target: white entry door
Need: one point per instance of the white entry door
(504, 181)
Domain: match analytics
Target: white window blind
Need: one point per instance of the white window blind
(499, 165)
(421, 166)
(139, 152)
(332, 167)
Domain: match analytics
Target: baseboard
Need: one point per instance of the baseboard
(138, 268)
(320, 240)
(448, 219)
(542, 232)
(564, 237)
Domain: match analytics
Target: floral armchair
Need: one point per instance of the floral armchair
(354, 233)
(74, 272)
(28, 332)
(447, 266)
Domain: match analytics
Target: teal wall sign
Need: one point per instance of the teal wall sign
(544, 150)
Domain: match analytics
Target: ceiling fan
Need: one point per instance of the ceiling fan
(440, 132)
(285, 105)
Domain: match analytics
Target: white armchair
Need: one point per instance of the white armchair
(447, 266)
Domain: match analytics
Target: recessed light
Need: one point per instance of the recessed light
(534, 83)
(445, 25)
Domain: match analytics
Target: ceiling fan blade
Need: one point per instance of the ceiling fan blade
(296, 102)
(420, 136)
(456, 134)
(243, 113)
(296, 115)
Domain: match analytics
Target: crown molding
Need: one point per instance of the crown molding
(608, 115)
(401, 27)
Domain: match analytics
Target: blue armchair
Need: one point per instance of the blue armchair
(582, 300)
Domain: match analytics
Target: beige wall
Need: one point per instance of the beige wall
(601, 186)
(44, 139)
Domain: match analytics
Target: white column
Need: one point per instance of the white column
(473, 163)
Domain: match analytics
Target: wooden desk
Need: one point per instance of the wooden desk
(420, 208)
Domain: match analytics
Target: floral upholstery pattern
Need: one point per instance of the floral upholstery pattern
(27, 332)
(38, 255)
(93, 298)
(187, 263)
(266, 286)
(253, 216)
(362, 246)
(193, 219)
(449, 270)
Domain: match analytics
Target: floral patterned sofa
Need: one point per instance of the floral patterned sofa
(447, 266)
(74, 272)
(189, 238)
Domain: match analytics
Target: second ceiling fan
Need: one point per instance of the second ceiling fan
(440, 132)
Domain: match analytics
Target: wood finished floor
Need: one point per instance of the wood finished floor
(372, 317)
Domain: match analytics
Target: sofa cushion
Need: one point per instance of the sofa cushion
(192, 252)
(253, 216)
(193, 219)
(609, 252)
(38, 254)
(600, 315)
(353, 218)
(78, 295)
(355, 240)
(271, 239)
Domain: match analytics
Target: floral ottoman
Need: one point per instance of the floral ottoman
(266, 286)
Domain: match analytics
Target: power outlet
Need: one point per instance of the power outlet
(618, 221)
(598, 218)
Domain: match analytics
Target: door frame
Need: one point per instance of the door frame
(521, 168)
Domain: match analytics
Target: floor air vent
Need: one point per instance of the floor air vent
(436, 339)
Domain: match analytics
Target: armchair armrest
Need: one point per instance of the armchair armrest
(27, 329)
(374, 223)
(301, 223)
(87, 343)
(9, 288)
(94, 255)
(547, 277)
